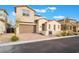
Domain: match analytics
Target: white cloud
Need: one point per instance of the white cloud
(40, 10)
(13, 13)
(44, 17)
(59, 17)
(45, 9)
(52, 8)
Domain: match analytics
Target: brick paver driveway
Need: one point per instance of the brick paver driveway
(31, 36)
(28, 36)
(64, 45)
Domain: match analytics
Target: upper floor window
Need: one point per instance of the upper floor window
(25, 12)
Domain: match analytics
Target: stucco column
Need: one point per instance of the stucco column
(17, 29)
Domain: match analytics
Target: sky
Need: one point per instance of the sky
(50, 12)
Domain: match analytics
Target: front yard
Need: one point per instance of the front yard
(5, 38)
(22, 37)
(26, 37)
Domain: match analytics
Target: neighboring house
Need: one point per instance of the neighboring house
(51, 27)
(3, 21)
(68, 24)
(77, 29)
(39, 24)
(25, 19)
(44, 26)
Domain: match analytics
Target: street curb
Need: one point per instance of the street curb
(38, 40)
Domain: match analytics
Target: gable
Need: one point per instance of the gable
(24, 7)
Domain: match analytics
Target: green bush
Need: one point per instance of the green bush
(66, 33)
(14, 38)
(63, 33)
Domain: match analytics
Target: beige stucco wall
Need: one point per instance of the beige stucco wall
(2, 27)
(20, 17)
(39, 25)
(54, 32)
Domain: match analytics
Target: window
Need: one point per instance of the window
(70, 27)
(66, 27)
(54, 27)
(49, 26)
(25, 12)
(43, 27)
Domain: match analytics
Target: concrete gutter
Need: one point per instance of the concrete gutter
(38, 40)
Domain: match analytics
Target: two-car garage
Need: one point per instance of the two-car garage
(25, 28)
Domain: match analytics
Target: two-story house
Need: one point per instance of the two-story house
(25, 19)
(3, 21)
(28, 22)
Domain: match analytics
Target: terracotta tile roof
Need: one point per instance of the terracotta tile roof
(48, 21)
(41, 18)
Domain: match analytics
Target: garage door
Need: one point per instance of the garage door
(26, 28)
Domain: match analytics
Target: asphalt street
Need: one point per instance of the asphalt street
(64, 45)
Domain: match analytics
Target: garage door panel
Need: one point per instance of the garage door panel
(25, 28)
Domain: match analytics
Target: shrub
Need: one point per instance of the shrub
(14, 38)
(63, 33)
